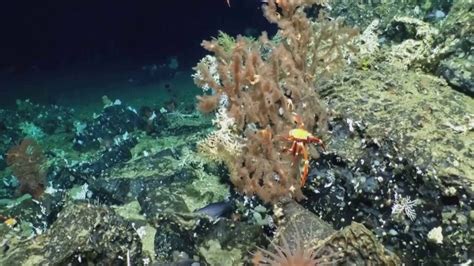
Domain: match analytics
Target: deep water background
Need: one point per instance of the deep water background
(57, 51)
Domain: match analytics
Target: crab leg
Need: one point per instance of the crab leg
(305, 166)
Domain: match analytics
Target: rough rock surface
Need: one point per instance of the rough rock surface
(353, 245)
(83, 233)
(430, 123)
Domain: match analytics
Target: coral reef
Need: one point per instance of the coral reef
(138, 187)
(262, 84)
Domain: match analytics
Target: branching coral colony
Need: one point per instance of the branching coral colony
(26, 161)
(258, 87)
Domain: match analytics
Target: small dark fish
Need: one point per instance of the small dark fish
(216, 209)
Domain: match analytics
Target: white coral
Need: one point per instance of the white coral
(211, 63)
(368, 40)
(223, 142)
(404, 206)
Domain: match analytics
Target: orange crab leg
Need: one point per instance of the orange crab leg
(294, 148)
(305, 166)
(292, 151)
(313, 139)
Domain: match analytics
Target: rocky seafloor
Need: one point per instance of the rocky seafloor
(128, 187)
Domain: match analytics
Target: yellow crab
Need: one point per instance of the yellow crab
(299, 138)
